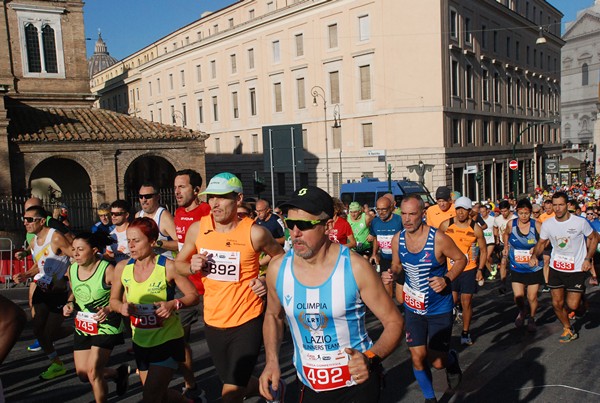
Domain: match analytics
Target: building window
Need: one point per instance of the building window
(518, 93)
(299, 45)
(496, 88)
(454, 78)
(507, 46)
(237, 149)
(484, 37)
(182, 75)
(270, 6)
(334, 87)
(231, 23)
(277, 97)
(173, 121)
(534, 57)
(509, 90)
(252, 101)
(250, 14)
(171, 86)
(527, 58)
(200, 112)
(158, 85)
(455, 131)
(254, 143)
(495, 44)
(217, 145)
(152, 116)
(215, 106)
(468, 31)
(497, 133)
(453, 24)
(300, 88)
(517, 50)
(276, 52)
(485, 85)
(469, 81)
(364, 28)
(40, 42)
(365, 82)
(333, 36)
(585, 74)
(486, 132)
(216, 28)
(251, 59)
(213, 69)
(233, 64)
(184, 113)
(234, 102)
(470, 132)
(528, 95)
(150, 88)
(367, 134)
(198, 73)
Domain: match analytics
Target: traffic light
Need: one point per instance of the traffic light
(259, 186)
(520, 175)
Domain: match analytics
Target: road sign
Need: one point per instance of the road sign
(513, 164)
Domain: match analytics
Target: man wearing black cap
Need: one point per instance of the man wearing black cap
(443, 210)
(324, 290)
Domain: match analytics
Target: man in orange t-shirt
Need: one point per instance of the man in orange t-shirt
(548, 212)
(443, 210)
(225, 250)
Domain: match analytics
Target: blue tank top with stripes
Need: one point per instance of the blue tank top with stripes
(520, 245)
(419, 297)
(323, 320)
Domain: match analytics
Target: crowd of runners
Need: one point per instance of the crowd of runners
(311, 265)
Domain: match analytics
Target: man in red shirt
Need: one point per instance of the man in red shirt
(187, 186)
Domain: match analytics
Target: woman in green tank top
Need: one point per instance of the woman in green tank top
(97, 328)
(147, 281)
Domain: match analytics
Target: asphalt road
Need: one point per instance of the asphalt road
(504, 365)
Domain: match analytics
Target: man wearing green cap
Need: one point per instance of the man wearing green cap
(225, 250)
(360, 223)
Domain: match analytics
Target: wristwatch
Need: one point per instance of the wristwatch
(178, 305)
(448, 281)
(159, 243)
(373, 359)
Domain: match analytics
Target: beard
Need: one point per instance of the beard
(306, 253)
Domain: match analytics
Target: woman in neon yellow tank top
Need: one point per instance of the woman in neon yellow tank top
(97, 329)
(148, 281)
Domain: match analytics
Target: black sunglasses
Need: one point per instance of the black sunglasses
(242, 215)
(303, 225)
(31, 219)
(146, 196)
(117, 214)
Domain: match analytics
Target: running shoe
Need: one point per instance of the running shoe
(572, 315)
(54, 371)
(453, 372)
(520, 321)
(531, 326)
(568, 335)
(35, 346)
(545, 288)
(122, 379)
(465, 339)
(279, 394)
(493, 272)
(196, 394)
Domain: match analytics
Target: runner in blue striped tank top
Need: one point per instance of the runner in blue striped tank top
(324, 289)
(421, 252)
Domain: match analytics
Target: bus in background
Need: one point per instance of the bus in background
(368, 190)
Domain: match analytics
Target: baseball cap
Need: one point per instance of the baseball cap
(224, 183)
(463, 202)
(443, 192)
(311, 199)
(354, 206)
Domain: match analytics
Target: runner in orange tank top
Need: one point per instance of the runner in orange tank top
(225, 250)
(468, 236)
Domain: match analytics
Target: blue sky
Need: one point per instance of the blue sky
(129, 25)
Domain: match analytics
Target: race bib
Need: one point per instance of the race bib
(222, 266)
(85, 322)
(414, 299)
(563, 262)
(326, 370)
(145, 317)
(385, 243)
(522, 256)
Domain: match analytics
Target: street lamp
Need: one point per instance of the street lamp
(337, 124)
(515, 173)
(318, 91)
(180, 115)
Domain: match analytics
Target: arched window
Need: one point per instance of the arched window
(49, 44)
(33, 49)
(584, 74)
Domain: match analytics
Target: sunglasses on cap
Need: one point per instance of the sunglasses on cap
(303, 225)
(146, 196)
(32, 219)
